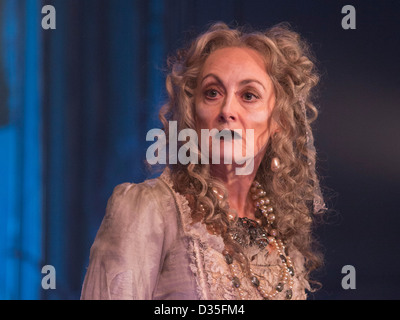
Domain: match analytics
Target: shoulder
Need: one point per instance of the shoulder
(137, 211)
(129, 198)
(137, 231)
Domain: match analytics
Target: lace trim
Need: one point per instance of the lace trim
(212, 274)
(199, 239)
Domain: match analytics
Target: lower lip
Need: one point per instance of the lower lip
(233, 134)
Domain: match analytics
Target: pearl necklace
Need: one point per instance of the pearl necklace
(265, 236)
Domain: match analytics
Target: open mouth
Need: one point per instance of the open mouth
(233, 134)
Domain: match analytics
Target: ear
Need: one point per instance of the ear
(274, 127)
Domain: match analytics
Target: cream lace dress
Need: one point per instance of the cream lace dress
(148, 248)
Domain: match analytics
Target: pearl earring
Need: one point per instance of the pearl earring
(275, 164)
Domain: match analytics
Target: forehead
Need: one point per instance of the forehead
(241, 61)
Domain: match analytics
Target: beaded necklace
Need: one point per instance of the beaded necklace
(248, 232)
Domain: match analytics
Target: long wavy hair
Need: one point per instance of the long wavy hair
(291, 67)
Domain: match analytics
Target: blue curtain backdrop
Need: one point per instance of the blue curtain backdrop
(103, 88)
(21, 191)
(76, 104)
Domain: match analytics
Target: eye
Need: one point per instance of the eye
(248, 96)
(211, 94)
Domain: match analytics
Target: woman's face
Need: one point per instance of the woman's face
(234, 92)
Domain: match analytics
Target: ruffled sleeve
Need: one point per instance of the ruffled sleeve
(127, 254)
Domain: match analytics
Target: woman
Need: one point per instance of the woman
(202, 231)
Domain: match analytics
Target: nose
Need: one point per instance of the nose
(228, 110)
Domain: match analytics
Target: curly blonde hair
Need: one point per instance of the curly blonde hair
(293, 189)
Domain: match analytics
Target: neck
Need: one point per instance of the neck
(238, 187)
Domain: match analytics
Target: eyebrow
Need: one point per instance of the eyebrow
(247, 81)
(211, 75)
(243, 82)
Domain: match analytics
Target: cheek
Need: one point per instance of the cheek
(260, 123)
(204, 117)
(259, 119)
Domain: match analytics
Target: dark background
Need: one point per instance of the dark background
(101, 76)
